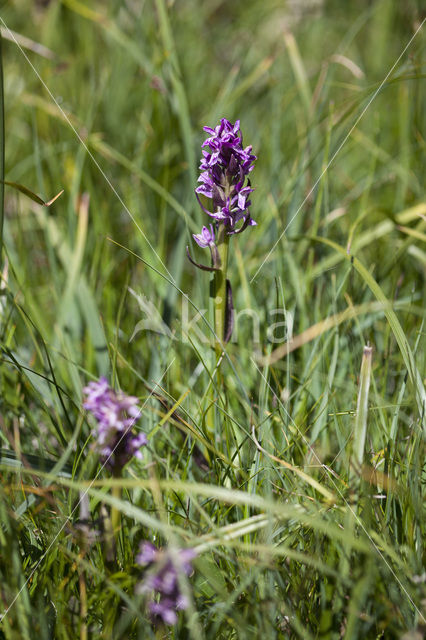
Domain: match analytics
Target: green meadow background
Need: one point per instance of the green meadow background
(299, 475)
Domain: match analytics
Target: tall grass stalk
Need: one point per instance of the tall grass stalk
(361, 421)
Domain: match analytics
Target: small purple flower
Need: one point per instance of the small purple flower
(205, 238)
(162, 569)
(223, 173)
(115, 413)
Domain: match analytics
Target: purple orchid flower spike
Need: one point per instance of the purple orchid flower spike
(224, 170)
(115, 414)
(162, 580)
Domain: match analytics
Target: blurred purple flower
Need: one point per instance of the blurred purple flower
(223, 173)
(115, 413)
(162, 579)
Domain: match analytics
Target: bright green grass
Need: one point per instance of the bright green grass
(318, 546)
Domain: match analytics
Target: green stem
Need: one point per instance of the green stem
(219, 290)
(357, 457)
(83, 601)
(219, 305)
(116, 513)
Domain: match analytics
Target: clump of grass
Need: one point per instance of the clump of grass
(298, 480)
